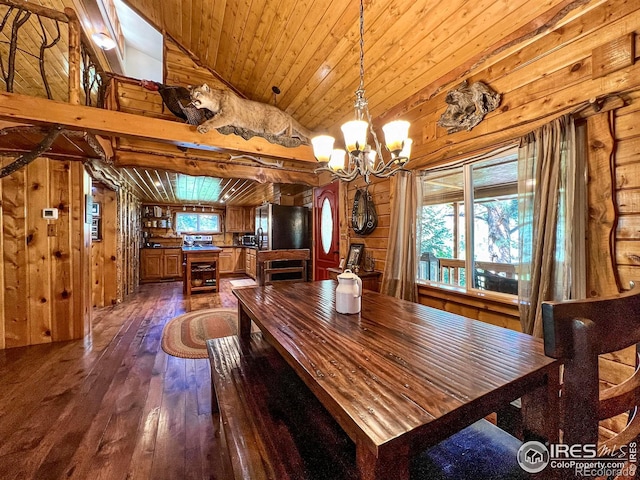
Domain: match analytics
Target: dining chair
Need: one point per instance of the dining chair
(578, 331)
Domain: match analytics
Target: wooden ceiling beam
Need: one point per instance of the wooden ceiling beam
(40, 111)
(213, 169)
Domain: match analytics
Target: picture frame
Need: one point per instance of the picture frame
(355, 255)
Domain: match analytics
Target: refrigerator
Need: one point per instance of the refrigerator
(281, 227)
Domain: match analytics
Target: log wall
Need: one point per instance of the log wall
(45, 292)
(538, 81)
(104, 253)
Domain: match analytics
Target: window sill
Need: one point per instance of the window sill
(498, 297)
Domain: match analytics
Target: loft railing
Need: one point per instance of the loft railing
(32, 45)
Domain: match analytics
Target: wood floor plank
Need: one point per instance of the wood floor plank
(113, 405)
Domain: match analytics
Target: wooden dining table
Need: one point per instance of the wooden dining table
(399, 376)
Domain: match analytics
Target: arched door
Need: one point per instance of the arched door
(327, 230)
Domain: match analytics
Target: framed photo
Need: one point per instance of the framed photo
(95, 209)
(355, 254)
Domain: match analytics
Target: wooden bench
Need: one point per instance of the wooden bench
(273, 426)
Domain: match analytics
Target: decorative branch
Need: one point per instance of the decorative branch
(11, 70)
(27, 158)
(43, 48)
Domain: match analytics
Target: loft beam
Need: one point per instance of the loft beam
(198, 167)
(40, 111)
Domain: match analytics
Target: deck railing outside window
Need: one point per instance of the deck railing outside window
(468, 222)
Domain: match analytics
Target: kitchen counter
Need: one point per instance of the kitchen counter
(203, 249)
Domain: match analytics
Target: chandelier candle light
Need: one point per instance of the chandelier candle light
(363, 160)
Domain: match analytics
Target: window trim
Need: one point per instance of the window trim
(468, 202)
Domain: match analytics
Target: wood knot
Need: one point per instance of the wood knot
(29, 238)
(576, 66)
(504, 108)
(43, 300)
(61, 206)
(65, 294)
(57, 254)
(47, 333)
(113, 258)
(35, 186)
(597, 144)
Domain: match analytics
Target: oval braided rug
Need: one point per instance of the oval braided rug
(185, 336)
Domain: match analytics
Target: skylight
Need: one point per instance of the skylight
(143, 45)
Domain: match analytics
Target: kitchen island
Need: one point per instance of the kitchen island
(202, 272)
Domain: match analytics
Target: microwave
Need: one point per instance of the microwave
(249, 240)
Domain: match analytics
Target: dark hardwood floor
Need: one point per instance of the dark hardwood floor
(114, 405)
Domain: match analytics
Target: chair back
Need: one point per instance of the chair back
(577, 331)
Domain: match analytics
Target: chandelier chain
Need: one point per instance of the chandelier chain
(362, 45)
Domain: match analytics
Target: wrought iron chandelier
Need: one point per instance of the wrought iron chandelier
(363, 160)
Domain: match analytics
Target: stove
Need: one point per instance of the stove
(197, 240)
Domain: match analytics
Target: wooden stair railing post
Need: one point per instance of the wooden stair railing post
(75, 34)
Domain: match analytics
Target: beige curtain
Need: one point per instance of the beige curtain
(399, 278)
(551, 198)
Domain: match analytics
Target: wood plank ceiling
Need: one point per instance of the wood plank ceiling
(309, 49)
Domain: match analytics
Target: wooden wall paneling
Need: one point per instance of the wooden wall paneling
(81, 229)
(377, 241)
(181, 69)
(16, 327)
(528, 91)
(97, 274)
(37, 190)
(3, 299)
(601, 274)
(627, 170)
(61, 252)
(109, 247)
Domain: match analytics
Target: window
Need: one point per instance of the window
(187, 222)
(469, 223)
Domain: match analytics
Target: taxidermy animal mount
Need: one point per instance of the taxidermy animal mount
(232, 114)
(178, 100)
(467, 106)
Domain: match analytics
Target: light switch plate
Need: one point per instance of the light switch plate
(50, 213)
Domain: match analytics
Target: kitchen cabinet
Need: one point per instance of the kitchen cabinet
(239, 262)
(235, 219)
(227, 260)
(240, 219)
(250, 262)
(160, 264)
(249, 219)
(232, 260)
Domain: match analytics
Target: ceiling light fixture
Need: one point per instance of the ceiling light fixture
(104, 41)
(363, 160)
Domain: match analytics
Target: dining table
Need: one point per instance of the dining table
(399, 376)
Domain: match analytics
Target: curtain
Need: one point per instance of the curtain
(399, 278)
(552, 203)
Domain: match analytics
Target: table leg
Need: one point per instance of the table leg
(244, 323)
(390, 463)
(541, 410)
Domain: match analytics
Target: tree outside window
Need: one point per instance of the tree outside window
(194, 222)
(479, 198)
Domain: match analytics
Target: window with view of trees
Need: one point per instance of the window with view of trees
(193, 222)
(469, 223)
